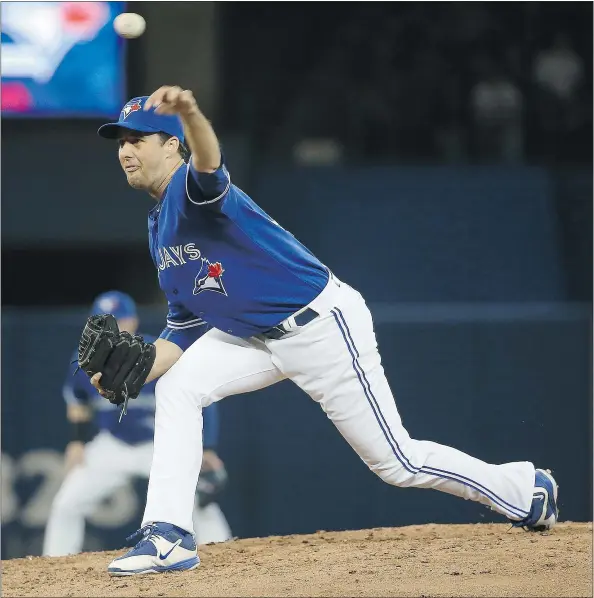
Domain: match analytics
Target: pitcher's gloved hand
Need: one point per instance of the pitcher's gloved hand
(124, 361)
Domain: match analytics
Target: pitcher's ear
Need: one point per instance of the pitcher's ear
(172, 145)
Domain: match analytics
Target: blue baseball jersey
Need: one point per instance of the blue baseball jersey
(224, 262)
(138, 425)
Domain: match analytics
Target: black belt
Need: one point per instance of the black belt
(305, 317)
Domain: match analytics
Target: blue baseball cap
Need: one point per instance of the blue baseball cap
(114, 302)
(135, 118)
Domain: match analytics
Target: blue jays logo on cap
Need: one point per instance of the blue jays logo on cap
(133, 117)
(117, 303)
(131, 106)
(209, 278)
(108, 304)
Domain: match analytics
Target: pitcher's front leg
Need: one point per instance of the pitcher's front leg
(216, 366)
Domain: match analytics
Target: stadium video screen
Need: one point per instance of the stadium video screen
(61, 59)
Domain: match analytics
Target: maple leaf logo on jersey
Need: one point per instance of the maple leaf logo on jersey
(130, 107)
(209, 278)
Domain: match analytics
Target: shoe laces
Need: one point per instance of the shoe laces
(145, 532)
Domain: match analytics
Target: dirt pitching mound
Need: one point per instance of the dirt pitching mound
(428, 560)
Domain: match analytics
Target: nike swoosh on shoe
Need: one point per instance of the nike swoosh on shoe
(164, 556)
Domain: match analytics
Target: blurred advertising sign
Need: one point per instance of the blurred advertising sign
(61, 59)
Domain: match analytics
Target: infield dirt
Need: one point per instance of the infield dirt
(428, 560)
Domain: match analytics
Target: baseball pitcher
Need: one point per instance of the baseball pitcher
(276, 312)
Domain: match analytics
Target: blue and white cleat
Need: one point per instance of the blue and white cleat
(544, 512)
(163, 547)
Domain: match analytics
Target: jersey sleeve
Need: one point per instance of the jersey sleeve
(210, 426)
(183, 327)
(77, 388)
(208, 189)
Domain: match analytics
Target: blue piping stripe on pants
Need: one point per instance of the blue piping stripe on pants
(405, 462)
(399, 453)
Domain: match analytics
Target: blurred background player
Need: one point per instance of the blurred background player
(97, 466)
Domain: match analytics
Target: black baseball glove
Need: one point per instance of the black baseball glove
(124, 361)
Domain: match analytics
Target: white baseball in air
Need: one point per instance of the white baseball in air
(129, 25)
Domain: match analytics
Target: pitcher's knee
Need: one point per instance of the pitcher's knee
(398, 469)
(200, 390)
(166, 386)
(394, 474)
(171, 387)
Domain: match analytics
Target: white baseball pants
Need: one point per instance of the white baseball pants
(335, 360)
(109, 464)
